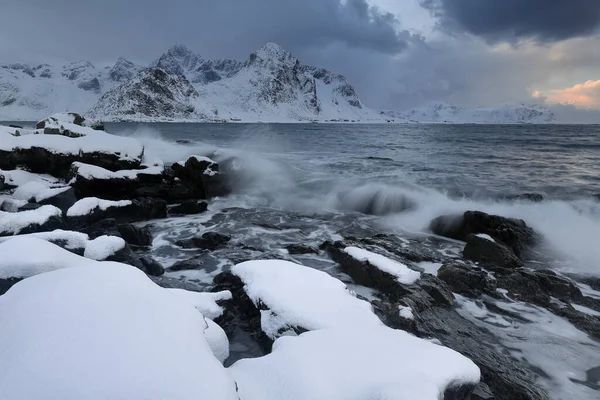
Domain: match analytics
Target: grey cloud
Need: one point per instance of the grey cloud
(510, 20)
(142, 29)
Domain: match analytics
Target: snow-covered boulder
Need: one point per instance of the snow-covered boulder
(363, 362)
(111, 333)
(54, 154)
(292, 298)
(90, 210)
(56, 120)
(44, 218)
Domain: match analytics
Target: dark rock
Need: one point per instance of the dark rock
(2, 180)
(465, 280)
(189, 207)
(240, 312)
(142, 209)
(512, 232)
(202, 176)
(174, 283)
(584, 322)
(15, 126)
(107, 226)
(481, 391)
(301, 249)
(507, 377)
(151, 266)
(7, 283)
(490, 254)
(533, 197)
(208, 241)
(43, 161)
(63, 200)
(186, 265)
(557, 286)
(135, 236)
(29, 207)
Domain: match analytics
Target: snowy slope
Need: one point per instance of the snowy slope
(448, 113)
(31, 92)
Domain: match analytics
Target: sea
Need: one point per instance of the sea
(308, 183)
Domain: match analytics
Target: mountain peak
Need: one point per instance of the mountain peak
(177, 60)
(179, 50)
(272, 53)
(123, 70)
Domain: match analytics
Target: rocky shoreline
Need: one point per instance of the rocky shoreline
(73, 185)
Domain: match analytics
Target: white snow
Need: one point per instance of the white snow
(217, 340)
(37, 190)
(430, 267)
(298, 296)
(18, 177)
(103, 247)
(586, 310)
(365, 362)
(104, 332)
(205, 302)
(405, 312)
(27, 255)
(72, 240)
(403, 274)
(87, 205)
(88, 171)
(15, 222)
(486, 237)
(96, 141)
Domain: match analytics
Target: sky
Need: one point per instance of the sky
(398, 54)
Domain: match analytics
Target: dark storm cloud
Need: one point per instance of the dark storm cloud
(511, 20)
(142, 29)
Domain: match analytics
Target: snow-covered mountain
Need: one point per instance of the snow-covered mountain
(272, 85)
(448, 113)
(29, 92)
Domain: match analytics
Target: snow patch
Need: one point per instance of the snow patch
(103, 247)
(16, 222)
(88, 171)
(405, 312)
(403, 274)
(87, 205)
(486, 237)
(205, 302)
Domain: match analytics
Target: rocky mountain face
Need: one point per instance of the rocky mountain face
(448, 113)
(152, 92)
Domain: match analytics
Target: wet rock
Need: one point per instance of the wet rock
(29, 207)
(43, 161)
(491, 254)
(151, 267)
(557, 286)
(142, 209)
(301, 249)
(189, 207)
(507, 377)
(512, 232)
(533, 197)
(465, 280)
(427, 291)
(63, 200)
(240, 313)
(587, 323)
(481, 391)
(2, 180)
(202, 176)
(107, 226)
(135, 236)
(208, 241)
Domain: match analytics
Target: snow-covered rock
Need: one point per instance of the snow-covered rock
(448, 113)
(400, 271)
(110, 333)
(301, 298)
(363, 362)
(45, 218)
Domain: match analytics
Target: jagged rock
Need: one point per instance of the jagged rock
(135, 236)
(189, 207)
(63, 200)
(491, 254)
(141, 209)
(465, 280)
(69, 117)
(512, 232)
(151, 267)
(202, 175)
(301, 249)
(208, 241)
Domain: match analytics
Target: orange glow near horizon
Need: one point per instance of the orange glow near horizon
(583, 95)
